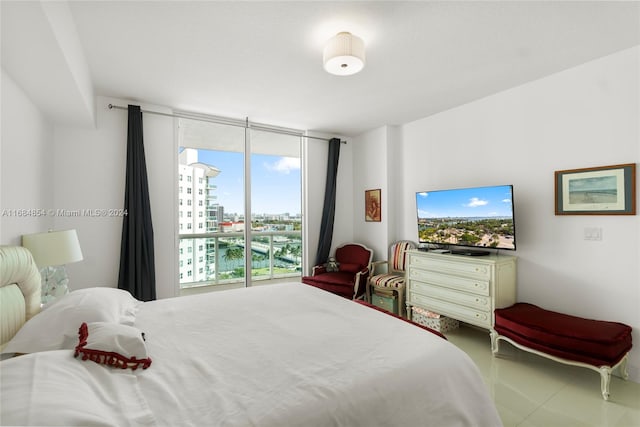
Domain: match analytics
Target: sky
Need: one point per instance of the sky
(469, 202)
(275, 182)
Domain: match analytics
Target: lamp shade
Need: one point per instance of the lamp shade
(344, 54)
(53, 248)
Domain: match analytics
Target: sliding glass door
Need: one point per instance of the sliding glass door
(276, 202)
(237, 185)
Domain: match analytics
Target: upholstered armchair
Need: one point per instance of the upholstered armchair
(392, 279)
(350, 279)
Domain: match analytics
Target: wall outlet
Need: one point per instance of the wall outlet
(593, 233)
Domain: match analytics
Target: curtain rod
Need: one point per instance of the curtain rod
(225, 121)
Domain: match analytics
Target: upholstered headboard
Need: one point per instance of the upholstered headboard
(19, 290)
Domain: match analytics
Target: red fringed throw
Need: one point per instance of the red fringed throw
(104, 357)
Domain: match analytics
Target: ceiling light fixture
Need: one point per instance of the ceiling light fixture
(344, 54)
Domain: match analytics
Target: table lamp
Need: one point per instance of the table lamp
(51, 251)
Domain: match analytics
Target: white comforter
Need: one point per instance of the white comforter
(280, 355)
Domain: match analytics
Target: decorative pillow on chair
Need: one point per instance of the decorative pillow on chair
(117, 345)
(332, 265)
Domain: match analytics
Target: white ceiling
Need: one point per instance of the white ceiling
(263, 60)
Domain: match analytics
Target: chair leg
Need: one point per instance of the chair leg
(401, 307)
(367, 292)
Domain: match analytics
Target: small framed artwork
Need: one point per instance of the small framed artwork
(372, 208)
(605, 190)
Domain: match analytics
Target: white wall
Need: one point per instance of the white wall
(378, 164)
(26, 167)
(90, 174)
(372, 156)
(583, 117)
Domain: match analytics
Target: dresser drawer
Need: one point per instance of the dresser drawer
(452, 266)
(479, 302)
(475, 286)
(455, 311)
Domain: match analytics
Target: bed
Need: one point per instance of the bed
(279, 355)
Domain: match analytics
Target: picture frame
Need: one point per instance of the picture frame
(604, 190)
(372, 205)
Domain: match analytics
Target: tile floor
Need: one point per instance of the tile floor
(530, 390)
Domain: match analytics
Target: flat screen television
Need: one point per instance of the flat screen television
(479, 217)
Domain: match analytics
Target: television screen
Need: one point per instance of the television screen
(480, 217)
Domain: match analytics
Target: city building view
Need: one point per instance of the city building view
(212, 241)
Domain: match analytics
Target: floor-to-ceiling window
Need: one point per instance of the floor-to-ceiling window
(276, 220)
(236, 184)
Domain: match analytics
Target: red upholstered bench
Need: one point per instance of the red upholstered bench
(594, 344)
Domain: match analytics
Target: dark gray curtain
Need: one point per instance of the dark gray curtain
(328, 212)
(137, 264)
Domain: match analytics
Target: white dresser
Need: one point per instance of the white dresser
(466, 288)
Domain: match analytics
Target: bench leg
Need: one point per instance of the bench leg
(622, 370)
(606, 371)
(494, 341)
(605, 380)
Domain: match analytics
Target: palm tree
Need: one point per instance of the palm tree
(296, 252)
(255, 258)
(286, 249)
(234, 254)
(280, 252)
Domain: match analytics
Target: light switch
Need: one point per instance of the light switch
(593, 233)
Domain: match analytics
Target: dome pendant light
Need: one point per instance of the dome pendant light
(344, 54)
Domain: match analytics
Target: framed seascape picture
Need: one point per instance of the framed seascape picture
(372, 210)
(605, 190)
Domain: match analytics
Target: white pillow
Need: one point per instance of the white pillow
(47, 330)
(112, 344)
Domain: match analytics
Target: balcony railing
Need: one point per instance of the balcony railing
(274, 255)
